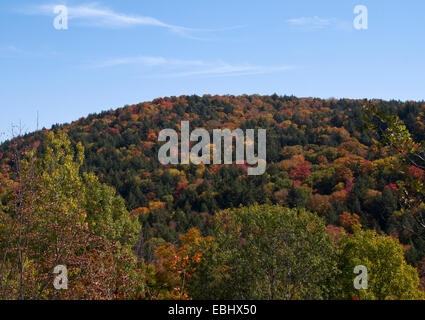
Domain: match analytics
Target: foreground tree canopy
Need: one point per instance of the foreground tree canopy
(268, 252)
(56, 216)
(271, 252)
(389, 276)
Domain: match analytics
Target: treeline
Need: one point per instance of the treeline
(320, 159)
(54, 214)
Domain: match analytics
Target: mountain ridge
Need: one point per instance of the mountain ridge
(319, 157)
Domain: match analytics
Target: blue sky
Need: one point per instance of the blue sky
(123, 52)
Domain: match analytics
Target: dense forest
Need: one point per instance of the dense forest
(338, 192)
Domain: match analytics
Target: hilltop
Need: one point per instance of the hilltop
(319, 157)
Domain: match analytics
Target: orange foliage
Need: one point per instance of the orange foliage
(350, 221)
(176, 264)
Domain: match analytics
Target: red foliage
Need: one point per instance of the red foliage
(152, 136)
(367, 167)
(416, 173)
(166, 105)
(301, 171)
(180, 188)
(335, 233)
(392, 187)
(198, 181)
(349, 221)
(349, 184)
(114, 130)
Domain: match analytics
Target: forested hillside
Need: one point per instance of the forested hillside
(321, 162)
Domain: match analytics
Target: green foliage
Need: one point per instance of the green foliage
(107, 215)
(268, 252)
(121, 149)
(47, 225)
(389, 276)
(319, 157)
(103, 211)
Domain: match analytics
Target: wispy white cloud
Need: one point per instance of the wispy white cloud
(312, 22)
(147, 61)
(95, 15)
(228, 70)
(15, 52)
(10, 49)
(175, 68)
(317, 23)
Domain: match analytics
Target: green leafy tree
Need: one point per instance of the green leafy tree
(48, 224)
(267, 252)
(107, 215)
(389, 276)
